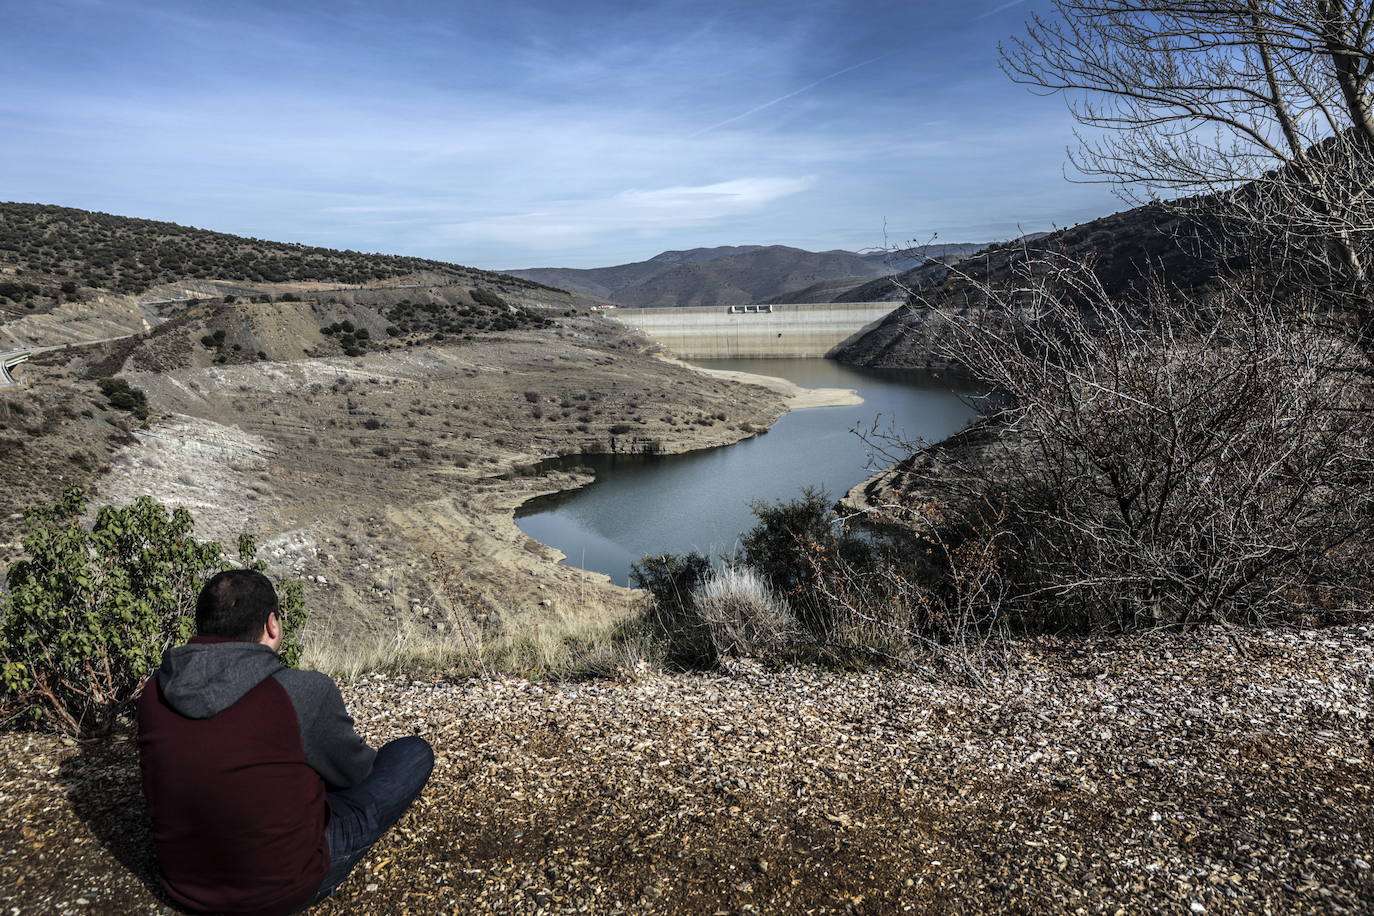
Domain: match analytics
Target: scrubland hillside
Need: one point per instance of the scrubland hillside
(72, 276)
(255, 382)
(55, 253)
(1127, 252)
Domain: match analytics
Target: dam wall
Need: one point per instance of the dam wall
(755, 331)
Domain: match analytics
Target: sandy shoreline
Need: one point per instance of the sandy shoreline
(798, 398)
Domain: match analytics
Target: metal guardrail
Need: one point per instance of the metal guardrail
(8, 362)
(11, 358)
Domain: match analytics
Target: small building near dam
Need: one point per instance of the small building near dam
(755, 331)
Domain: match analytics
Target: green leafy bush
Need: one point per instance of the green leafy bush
(90, 611)
(122, 396)
(790, 544)
(671, 580)
(488, 298)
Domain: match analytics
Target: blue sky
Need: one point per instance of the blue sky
(520, 134)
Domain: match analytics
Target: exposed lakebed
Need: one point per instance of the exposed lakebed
(648, 504)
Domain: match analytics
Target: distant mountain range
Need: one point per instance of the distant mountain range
(740, 274)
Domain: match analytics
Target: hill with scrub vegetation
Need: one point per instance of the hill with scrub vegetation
(423, 390)
(50, 255)
(1127, 253)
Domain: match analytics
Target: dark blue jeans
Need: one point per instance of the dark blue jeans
(361, 815)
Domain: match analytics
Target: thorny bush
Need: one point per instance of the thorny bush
(671, 581)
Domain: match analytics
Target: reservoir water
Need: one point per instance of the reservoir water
(649, 504)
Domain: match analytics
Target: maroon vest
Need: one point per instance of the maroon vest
(237, 814)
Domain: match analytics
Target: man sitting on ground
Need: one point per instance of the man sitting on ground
(262, 797)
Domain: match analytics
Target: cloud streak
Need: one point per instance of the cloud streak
(998, 9)
(712, 201)
(791, 95)
(652, 212)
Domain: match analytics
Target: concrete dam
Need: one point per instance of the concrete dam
(755, 331)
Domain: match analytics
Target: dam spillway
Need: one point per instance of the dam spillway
(755, 331)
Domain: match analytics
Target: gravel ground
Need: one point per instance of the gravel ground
(1161, 774)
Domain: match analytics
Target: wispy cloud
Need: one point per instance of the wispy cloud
(538, 132)
(793, 94)
(997, 9)
(711, 201)
(653, 212)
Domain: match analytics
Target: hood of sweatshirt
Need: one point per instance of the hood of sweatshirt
(201, 679)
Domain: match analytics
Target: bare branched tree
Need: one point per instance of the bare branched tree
(1162, 462)
(1264, 106)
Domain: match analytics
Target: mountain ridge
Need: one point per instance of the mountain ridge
(740, 274)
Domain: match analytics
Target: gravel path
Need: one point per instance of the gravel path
(1162, 774)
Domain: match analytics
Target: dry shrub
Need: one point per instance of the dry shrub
(466, 608)
(741, 614)
(621, 655)
(466, 635)
(882, 604)
(1164, 462)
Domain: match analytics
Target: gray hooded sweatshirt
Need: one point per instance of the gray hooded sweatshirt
(204, 678)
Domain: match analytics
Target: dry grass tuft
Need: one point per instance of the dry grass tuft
(742, 615)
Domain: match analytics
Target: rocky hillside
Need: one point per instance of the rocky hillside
(1127, 251)
(51, 255)
(416, 388)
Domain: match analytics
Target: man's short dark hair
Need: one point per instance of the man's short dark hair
(234, 604)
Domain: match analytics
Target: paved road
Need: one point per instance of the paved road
(11, 358)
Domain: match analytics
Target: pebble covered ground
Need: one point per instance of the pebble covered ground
(1202, 773)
